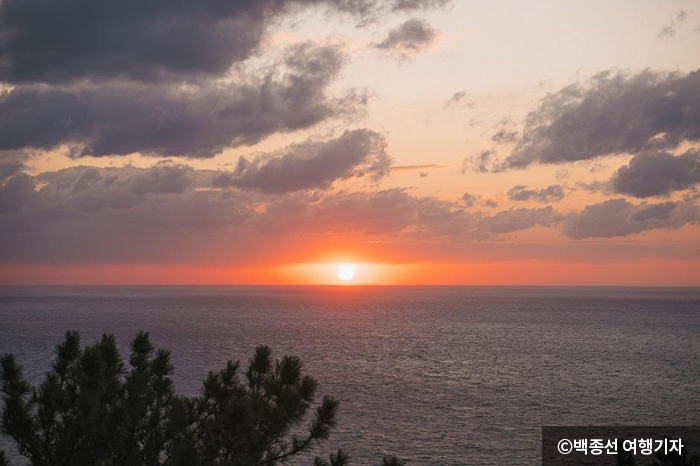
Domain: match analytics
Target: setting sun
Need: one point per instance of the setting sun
(346, 272)
(363, 210)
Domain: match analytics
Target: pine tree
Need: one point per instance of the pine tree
(93, 410)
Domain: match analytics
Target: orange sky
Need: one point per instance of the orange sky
(641, 273)
(474, 143)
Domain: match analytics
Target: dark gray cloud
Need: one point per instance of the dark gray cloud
(11, 164)
(613, 113)
(57, 42)
(45, 41)
(313, 165)
(657, 174)
(411, 37)
(669, 30)
(91, 190)
(119, 119)
(552, 193)
(163, 179)
(16, 195)
(654, 212)
(618, 217)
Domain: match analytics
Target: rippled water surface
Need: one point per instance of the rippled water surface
(437, 375)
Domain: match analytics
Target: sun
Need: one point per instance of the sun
(346, 272)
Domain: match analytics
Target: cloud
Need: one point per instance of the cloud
(669, 30)
(479, 163)
(611, 114)
(92, 215)
(163, 179)
(552, 193)
(692, 195)
(505, 133)
(11, 164)
(657, 173)
(562, 174)
(390, 212)
(118, 119)
(618, 217)
(505, 137)
(508, 221)
(397, 213)
(410, 5)
(312, 165)
(418, 168)
(43, 41)
(593, 186)
(469, 200)
(458, 97)
(49, 42)
(89, 215)
(16, 195)
(90, 190)
(412, 37)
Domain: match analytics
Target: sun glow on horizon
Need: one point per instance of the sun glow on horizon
(345, 269)
(346, 272)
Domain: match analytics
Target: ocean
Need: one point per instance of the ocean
(434, 375)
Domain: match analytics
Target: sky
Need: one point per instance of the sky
(430, 142)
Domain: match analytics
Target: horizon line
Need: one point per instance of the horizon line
(330, 285)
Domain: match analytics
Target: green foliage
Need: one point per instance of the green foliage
(92, 410)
